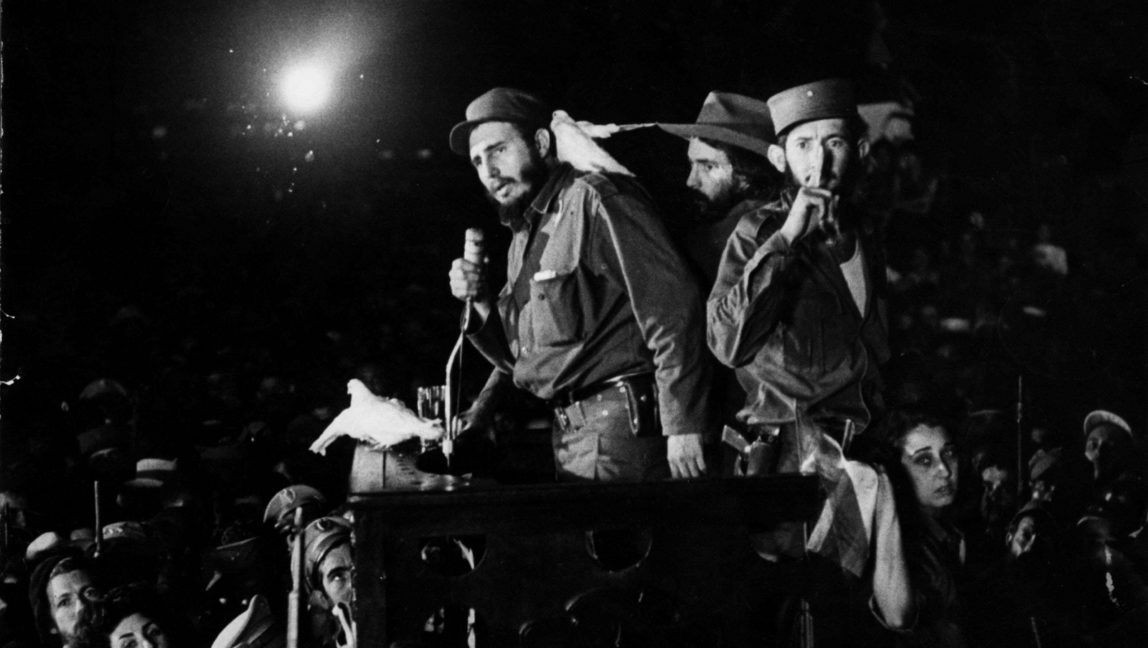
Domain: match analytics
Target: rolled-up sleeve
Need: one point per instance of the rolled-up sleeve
(667, 305)
(747, 295)
(490, 340)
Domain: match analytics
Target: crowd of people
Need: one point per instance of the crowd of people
(160, 501)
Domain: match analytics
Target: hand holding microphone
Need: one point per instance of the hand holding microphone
(467, 281)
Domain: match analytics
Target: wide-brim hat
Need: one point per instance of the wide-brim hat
(825, 99)
(153, 472)
(1037, 511)
(1100, 417)
(731, 119)
(108, 435)
(104, 388)
(1044, 463)
(501, 105)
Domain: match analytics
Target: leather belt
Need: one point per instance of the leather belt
(571, 396)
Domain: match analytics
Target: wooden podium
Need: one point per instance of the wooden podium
(634, 564)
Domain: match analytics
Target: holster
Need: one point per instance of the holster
(642, 405)
(757, 457)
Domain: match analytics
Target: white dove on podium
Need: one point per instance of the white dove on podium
(381, 422)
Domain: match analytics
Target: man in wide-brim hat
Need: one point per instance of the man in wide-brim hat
(730, 174)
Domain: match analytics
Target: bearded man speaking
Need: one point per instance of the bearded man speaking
(599, 315)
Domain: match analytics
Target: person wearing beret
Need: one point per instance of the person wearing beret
(797, 308)
(599, 316)
(328, 568)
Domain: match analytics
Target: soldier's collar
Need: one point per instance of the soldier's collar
(547, 196)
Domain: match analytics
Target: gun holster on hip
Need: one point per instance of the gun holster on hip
(642, 405)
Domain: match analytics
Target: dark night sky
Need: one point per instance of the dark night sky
(130, 170)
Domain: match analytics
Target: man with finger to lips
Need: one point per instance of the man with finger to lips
(797, 306)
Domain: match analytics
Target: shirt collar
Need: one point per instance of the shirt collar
(543, 202)
(746, 206)
(547, 196)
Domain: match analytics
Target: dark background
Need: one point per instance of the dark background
(148, 165)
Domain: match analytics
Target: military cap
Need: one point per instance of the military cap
(126, 530)
(1101, 417)
(319, 538)
(283, 504)
(499, 105)
(825, 99)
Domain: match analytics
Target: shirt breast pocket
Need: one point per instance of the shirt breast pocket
(555, 307)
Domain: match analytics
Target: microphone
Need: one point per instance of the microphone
(473, 251)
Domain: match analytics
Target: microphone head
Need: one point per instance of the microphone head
(473, 250)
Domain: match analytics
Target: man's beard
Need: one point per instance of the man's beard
(534, 175)
(88, 632)
(712, 210)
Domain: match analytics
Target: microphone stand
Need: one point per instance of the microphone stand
(449, 406)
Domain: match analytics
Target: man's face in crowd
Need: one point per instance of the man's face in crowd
(72, 599)
(1043, 490)
(1022, 539)
(336, 570)
(1104, 446)
(712, 183)
(508, 165)
(822, 154)
(997, 482)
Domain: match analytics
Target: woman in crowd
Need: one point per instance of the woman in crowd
(925, 473)
(136, 618)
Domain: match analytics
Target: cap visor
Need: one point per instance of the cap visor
(460, 135)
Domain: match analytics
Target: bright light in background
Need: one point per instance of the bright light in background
(306, 88)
